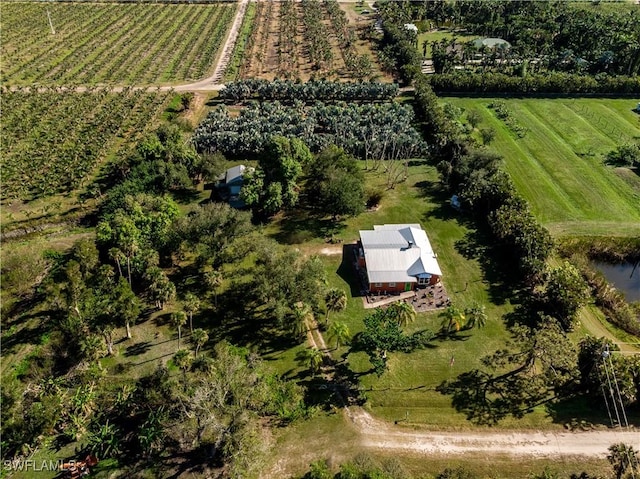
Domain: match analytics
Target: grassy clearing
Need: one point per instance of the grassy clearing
(412, 378)
(436, 36)
(558, 165)
(110, 44)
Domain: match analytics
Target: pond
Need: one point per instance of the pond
(620, 276)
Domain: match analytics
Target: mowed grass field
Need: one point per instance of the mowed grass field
(558, 165)
(110, 43)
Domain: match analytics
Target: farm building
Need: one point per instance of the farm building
(397, 258)
(230, 183)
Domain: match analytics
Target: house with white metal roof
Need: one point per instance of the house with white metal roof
(230, 184)
(397, 258)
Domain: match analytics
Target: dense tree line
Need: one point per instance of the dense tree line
(398, 46)
(570, 49)
(540, 83)
(288, 91)
(567, 36)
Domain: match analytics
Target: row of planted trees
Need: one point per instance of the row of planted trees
(287, 91)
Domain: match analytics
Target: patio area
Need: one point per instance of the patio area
(431, 298)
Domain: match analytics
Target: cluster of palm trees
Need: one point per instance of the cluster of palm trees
(368, 131)
(289, 91)
(454, 319)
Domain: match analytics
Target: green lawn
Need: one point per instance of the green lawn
(558, 165)
(436, 36)
(412, 378)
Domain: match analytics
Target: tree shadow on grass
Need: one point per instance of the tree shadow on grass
(301, 225)
(584, 412)
(31, 334)
(347, 271)
(503, 279)
(137, 349)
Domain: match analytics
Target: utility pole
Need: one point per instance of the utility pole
(53, 32)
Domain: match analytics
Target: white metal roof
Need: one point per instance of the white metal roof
(398, 253)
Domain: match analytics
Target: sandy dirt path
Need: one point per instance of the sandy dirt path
(377, 434)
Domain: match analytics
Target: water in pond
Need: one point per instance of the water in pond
(619, 275)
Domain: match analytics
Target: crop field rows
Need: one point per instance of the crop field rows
(301, 39)
(130, 44)
(53, 140)
(558, 163)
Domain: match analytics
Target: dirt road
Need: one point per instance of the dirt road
(377, 434)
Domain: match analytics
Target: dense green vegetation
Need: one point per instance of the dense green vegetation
(64, 136)
(113, 44)
(368, 131)
(561, 36)
(554, 47)
(179, 336)
(309, 92)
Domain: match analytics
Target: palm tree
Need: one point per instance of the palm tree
(191, 305)
(199, 337)
(339, 333)
(92, 347)
(301, 313)
(404, 312)
(183, 359)
(213, 279)
(476, 316)
(623, 458)
(452, 320)
(335, 300)
(179, 319)
(312, 358)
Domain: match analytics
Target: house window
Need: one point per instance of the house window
(424, 280)
(392, 285)
(378, 285)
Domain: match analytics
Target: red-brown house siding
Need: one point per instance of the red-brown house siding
(384, 287)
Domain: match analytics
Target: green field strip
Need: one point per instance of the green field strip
(594, 228)
(535, 179)
(95, 55)
(586, 179)
(545, 147)
(530, 176)
(103, 71)
(78, 56)
(571, 194)
(148, 66)
(622, 124)
(175, 68)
